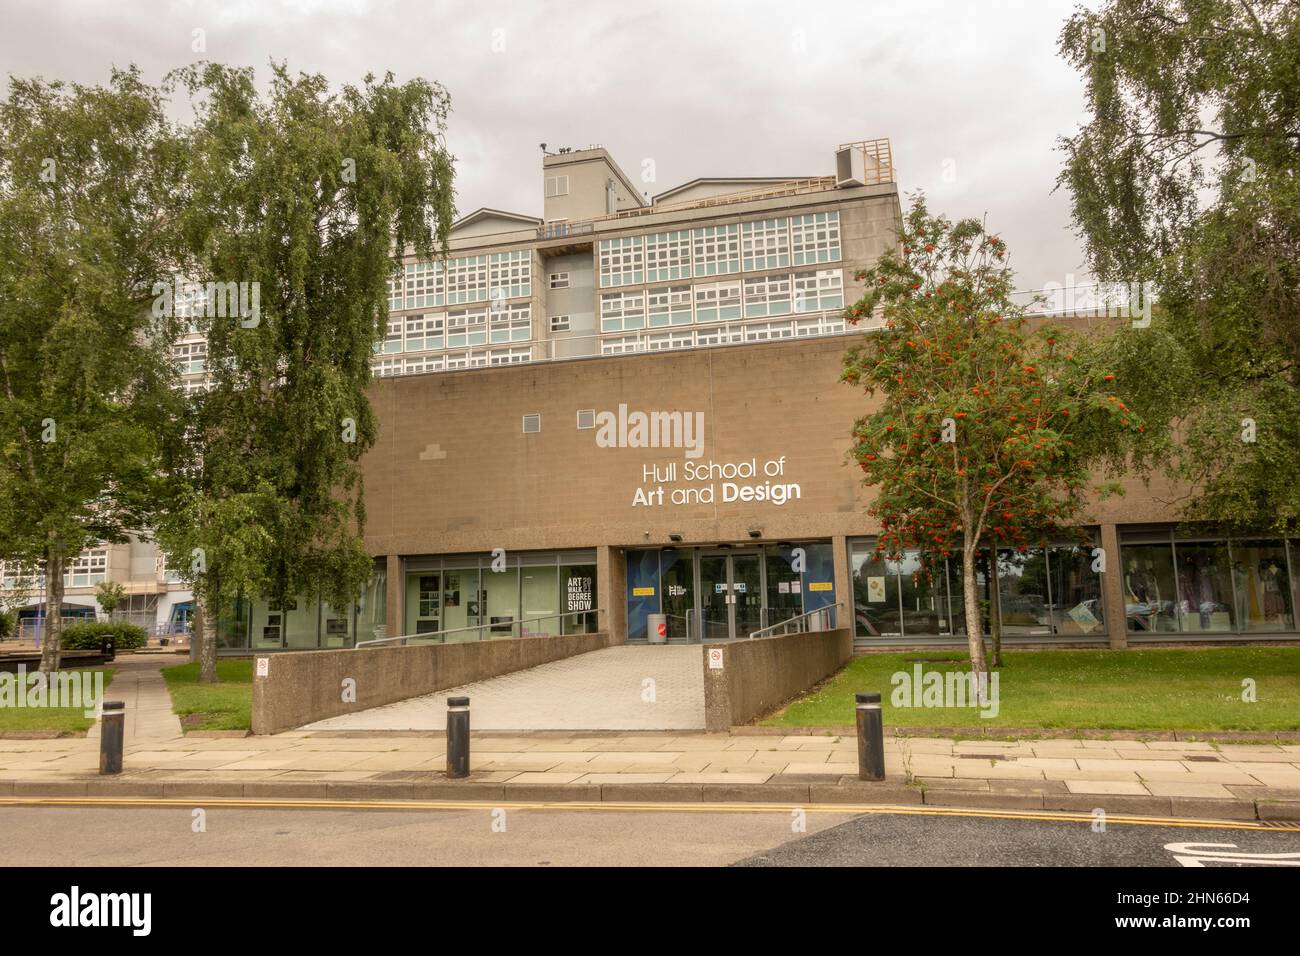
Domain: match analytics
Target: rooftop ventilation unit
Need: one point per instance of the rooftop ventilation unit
(867, 163)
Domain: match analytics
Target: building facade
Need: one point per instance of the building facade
(627, 413)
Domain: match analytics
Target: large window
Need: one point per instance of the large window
(467, 280)
(815, 238)
(527, 594)
(466, 327)
(668, 256)
(423, 285)
(717, 301)
(1049, 591)
(765, 244)
(814, 291)
(622, 311)
(424, 332)
(1206, 586)
(511, 323)
(669, 305)
(621, 262)
(767, 296)
(716, 250)
(511, 275)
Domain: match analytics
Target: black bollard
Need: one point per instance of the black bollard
(457, 737)
(112, 730)
(871, 738)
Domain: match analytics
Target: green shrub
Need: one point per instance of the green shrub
(87, 635)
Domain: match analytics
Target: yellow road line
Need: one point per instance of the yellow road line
(240, 803)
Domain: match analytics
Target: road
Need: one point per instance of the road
(149, 834)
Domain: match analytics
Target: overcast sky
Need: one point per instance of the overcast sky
(972, 95)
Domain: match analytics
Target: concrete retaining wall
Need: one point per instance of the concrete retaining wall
(304, 687)
(759, 675)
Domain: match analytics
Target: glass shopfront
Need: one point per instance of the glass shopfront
(303, 622)
(479, 597)
(1041, 592)
(712, 594)
(1185, 584)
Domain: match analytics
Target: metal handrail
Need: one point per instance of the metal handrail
(440, 636)
(828, 615)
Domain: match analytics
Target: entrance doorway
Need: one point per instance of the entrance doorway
(731, 594)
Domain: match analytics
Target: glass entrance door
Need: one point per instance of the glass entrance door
(715, 597)
(731, 595)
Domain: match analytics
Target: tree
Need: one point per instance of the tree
(1185, 175)
(985, 431)
(110, 595)
(88, 192)
(301, 198)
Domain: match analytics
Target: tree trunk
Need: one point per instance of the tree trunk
(974, 623)
(52, 632)
(995, 609)
(206, 636)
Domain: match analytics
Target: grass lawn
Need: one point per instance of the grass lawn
(1111, 690)
(227, 705)
(63, 720)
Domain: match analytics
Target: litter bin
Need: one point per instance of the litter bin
(108, 648)
(657, 628)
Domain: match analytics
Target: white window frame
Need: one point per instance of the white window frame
(621, 262)
(511, 323)
(715, 250)
(556, 185)
(467, 280)
(621, 345)
(560, 323)
(718, 301)
(425, 331)
(669, 305)
(817, 291)
(558, 280)
(768, 295)
(622, 311)
(668, 256)
(466, 328)
(765, 244)
(510, 275)
(815, 238)
(424, 285)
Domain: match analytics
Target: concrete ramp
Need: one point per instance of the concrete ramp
(625, 687)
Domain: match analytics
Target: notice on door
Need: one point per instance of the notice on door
(876, 589)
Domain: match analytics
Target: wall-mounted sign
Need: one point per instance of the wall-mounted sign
(820, 586)
(740, 587)
(719, 587)
(643, 592)
(263, 666)
(715, 658)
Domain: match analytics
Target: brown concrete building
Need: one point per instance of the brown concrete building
(626, 414)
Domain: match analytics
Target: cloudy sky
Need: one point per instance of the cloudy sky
(972, 95)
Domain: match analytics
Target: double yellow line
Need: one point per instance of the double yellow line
(239, 803)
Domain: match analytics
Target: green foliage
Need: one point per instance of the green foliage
(307, 193)
(985, 429)
(110, 595)
(88, 200)
(87, 635)
(1186, 175)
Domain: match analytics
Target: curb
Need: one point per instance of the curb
(845, 790)
(1032, 733)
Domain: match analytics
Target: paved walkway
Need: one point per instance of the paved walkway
(138, 682)
(627, 687)
(953, 772)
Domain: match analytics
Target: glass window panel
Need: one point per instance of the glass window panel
(462, 603)
(982, 590)
(1204, 587)
(500, 610)
(1264, 601)
(1150, 592)
(1022, 590)
(784, 591)
(925, 599)
(875, 594)
(1076, 606)
(336, 626)
(540, 595)
(302, 622)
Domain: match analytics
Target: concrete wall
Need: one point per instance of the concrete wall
(759, 675)
(304, 687)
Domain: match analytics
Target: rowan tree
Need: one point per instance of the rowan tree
(985, 429)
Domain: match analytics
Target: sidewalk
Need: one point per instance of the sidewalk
(138, 682)
(1158, 778)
